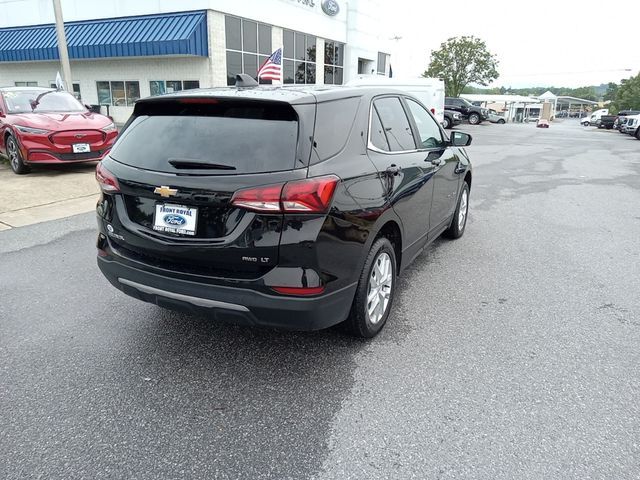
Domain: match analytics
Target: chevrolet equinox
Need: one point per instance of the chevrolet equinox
(279, 206)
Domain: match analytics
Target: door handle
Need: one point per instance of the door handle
(393, 169)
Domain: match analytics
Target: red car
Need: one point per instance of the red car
(43, 126)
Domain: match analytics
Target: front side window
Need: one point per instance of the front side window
(333, 63)
(428, 130)
(299, 58)
(248, 47)
(395, 124)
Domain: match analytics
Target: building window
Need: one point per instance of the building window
(118, 93)
(26, 84)
(248, 47)
(333, 63)
(158, 87)
(382, 63)
(299, 64)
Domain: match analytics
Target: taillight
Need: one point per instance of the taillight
(433, 110)
(261, 199)
(311, 195)
(107, 181)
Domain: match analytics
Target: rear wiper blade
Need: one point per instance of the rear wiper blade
(193, 164)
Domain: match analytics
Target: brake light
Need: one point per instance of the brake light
(261, 199)
(433, 110)
(107, 181)
(311, 195)
(303, 291)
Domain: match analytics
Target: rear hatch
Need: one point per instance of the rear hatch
(179, 163)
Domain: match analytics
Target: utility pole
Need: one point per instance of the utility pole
(62, 46)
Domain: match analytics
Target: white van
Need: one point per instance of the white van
(595, 116)
(430, 91)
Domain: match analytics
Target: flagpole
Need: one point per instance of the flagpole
(62, 46)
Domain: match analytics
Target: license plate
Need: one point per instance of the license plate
(81, 148)
(175, 219)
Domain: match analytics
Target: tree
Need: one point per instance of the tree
(628, 94)
(611, 92)
(461, 61)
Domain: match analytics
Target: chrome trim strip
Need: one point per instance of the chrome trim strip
(197, 301)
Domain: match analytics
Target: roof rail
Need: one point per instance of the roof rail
(243, 80)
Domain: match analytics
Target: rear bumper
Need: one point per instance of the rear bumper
(230, 304)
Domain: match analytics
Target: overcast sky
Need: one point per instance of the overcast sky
(549, 43)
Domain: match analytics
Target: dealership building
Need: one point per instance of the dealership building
(122, 50)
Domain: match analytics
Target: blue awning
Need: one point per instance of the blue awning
(148, 35)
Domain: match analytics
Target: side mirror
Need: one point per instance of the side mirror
(459, 139)
(2, 115)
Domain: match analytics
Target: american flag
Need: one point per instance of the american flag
(271, 69)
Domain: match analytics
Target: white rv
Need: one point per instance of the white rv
(430, 91)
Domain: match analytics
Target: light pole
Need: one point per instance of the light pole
(62, 46)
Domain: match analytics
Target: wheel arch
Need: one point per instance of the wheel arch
(467, 178)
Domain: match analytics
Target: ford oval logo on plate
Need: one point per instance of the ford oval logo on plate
(173, 219)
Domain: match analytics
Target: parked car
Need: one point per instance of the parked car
(542, 123)
(466, 109)
(494, 117)
(606, 121)
(631, 125)
(430, 91)
(624, 113)
(622, 122)
(202, 211)
(451, 119)
(45, 126)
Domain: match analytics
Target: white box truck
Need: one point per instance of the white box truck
(430, 91)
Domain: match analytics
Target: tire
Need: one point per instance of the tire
(446, 123)
(362, 323)
(501, 121)
(459, 223)
(15, 157)
(638, 134)
(474, 119)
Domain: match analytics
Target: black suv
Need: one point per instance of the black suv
(467, 110)
(286, 207)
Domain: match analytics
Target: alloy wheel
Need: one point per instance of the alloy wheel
(12, 149)
(379, 288)
(464, 205)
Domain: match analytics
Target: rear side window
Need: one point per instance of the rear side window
(214, 138)
(395, 124)
(334, 121)
(376, 136)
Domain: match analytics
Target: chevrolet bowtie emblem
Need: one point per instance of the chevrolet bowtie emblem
(165, 191)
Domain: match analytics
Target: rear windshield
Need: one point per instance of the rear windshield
(224, 140)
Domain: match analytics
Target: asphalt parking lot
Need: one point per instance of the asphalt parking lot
(512, 352)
